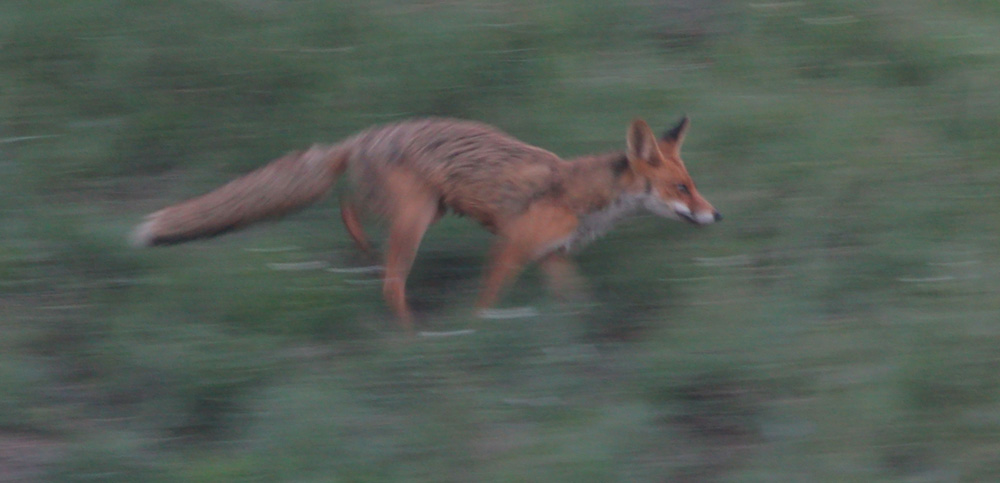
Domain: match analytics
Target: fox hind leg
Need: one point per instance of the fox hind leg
(413, 211)
(349, 214)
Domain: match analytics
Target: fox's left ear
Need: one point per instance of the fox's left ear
(675, 136)
(642, 148)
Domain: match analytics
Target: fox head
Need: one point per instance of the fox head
(670, 192)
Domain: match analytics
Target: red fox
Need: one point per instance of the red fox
(411, 173)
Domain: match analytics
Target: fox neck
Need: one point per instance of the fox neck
(602, 190)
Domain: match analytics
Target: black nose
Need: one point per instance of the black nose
(718, 216)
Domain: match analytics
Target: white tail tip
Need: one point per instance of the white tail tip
(142, 236)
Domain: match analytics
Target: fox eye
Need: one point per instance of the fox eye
(683, 188)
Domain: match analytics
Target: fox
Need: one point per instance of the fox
(409, 174)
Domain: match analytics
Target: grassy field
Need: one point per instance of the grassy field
(841, 324)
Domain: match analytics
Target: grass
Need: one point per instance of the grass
(840, 324)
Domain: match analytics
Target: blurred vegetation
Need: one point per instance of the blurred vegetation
(840, 324)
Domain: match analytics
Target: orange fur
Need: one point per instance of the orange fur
(411, 173)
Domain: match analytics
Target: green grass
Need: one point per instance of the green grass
(840, 324)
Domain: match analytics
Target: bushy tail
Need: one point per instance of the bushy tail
(287, 184)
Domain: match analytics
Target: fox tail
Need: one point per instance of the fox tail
(285, 185)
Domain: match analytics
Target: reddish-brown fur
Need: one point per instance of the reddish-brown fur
(411, 173)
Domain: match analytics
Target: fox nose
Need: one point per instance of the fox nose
(718, 216)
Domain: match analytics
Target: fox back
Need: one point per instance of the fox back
(472, 168)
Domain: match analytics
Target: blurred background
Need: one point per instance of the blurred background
(840, 324)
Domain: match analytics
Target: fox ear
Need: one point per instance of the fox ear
(675, 136)
(642, 147)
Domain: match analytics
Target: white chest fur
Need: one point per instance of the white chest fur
(599, 222)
